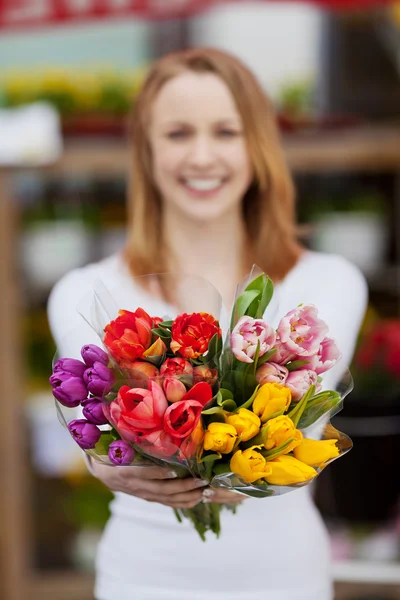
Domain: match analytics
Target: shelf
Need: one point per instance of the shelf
(366, 571)
(373, 148)
(60, 586)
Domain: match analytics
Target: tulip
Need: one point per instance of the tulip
(286, 470)
(328, 355)
(191, 334)
(129, 335)
(159, 443)
(271, 398)
(137, 411)
(173, 389)
(121, 453)
(85, 434)
(300, 381)
(181, 418)
(93, 411)
(249, 464)
(282, 354)
(315, 453)
(98, 379)
(271, 372)
(140, 372)
(247, 334)
(67, 389)
(246, 423)
(91, 354)
(173, 367)
(279, 431)
(220, 437)
(301, 331)
(204, 373)
(156, 350)
(70, 365)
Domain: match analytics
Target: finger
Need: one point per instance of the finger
(222, 497)
(169, 488)
(147, 472)
(186, 498)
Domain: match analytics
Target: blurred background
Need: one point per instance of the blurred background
(69, 73)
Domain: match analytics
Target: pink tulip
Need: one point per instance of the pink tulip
(136, 411)
(247, 333)
(300, 381)
(159, 443)
(328, 355)
(174, 389)
(282, 355)
(271, 373)
(301, 332)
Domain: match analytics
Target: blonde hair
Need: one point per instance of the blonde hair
(268, 205)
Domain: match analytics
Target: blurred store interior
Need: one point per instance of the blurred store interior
(68, 77)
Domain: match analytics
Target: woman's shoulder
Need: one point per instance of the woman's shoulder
(78, 280)
(322, 267)
(62, 305)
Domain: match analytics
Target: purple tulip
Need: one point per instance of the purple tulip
(98, 379)
(85, 434)
(93, 411)
(91, 354)
(121, 453)
(70, 365)
(67, 389)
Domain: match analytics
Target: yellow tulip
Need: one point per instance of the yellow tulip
(220, 437)
(316, 452)
(286, 470)
(249, 464)
(270, 399)
(246, 423)
(279, 431)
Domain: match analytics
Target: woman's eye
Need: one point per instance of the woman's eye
(177, 135)
(227, 133)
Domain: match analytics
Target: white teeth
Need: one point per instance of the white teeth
(203, 185)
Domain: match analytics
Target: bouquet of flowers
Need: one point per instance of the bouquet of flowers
(237, 410)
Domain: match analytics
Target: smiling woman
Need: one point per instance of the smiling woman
(211, 195)
(207, 134)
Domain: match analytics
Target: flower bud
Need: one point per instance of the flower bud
(85, 434)
(121, 453)
(93, 411)
(91, 354)
(99, 379)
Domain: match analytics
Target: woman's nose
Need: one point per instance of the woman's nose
(201, 151)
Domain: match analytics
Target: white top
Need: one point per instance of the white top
(272, 549)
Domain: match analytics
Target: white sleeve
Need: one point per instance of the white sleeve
(342, 300)
(69, 329)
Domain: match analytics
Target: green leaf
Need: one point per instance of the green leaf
(242, 304)
(249, 402)
(167, 324)
(105, 440)
(221, 468)
(296, 364)
(162, 333)
(265, 357)
(300, 407)
(213, 411)
(229, 405)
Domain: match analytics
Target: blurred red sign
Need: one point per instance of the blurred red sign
(33, 13)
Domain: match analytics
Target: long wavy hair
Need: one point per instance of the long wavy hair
(268, 205)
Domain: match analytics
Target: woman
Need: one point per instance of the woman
(211, 195)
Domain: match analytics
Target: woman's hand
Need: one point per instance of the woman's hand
(222, 496)
(151, 483)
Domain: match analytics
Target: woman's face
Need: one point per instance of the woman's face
(201, 164)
